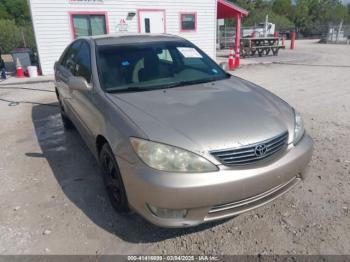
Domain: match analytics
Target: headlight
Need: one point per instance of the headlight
(169, 158)
(298, 128)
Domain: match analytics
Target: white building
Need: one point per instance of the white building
(58, 22)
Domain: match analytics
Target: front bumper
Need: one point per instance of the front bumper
(215, 195)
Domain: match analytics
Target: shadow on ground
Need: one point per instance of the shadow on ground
(77, 173)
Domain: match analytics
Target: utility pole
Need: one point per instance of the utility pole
(339, 30)
(266, 22)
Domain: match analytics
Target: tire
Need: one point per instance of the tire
(113, 180)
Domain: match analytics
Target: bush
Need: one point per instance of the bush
(8, 35)
(13, 36)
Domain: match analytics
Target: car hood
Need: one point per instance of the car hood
(218, 115)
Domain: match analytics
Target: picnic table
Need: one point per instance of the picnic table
(251, 46)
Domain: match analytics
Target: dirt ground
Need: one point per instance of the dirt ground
(52, 198)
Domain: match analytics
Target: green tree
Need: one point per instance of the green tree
(308, 16)
(257, 16)
(246, 4)
(339, 13)
(9, 35)
(262, 4)
(16, 28)
(17, 10)
(3, 12)
(301, 15)
(12, 36)
(282, 7)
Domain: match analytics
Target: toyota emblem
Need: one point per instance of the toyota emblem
(260, 150)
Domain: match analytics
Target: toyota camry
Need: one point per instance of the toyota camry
(179, 140)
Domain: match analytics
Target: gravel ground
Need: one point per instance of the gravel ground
(52, 198)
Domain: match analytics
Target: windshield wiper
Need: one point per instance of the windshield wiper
(191, 82)
(201, 81)
(129, 89)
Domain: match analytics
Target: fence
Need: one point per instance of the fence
(226, 37)
(337, 34)
(226, 34)
(327, 34)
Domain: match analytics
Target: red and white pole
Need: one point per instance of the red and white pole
(237, 59)
(292, 40)
(237, 40)
(231, 60)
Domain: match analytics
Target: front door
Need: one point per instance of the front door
(152, 21)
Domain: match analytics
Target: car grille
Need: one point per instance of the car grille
(251, 153)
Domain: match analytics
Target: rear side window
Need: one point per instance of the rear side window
(68, 60)
(165, 56)
(83, 62)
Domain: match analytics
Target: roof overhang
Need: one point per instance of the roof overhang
(227, 9)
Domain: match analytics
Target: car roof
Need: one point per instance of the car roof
(117, 39)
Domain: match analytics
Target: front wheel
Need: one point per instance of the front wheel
(113, 180)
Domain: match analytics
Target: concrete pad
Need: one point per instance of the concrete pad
(12, 80)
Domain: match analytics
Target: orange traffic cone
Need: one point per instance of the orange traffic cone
(237, 59)
(231, 60)
(19, 69)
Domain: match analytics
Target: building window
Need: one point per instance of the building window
(188, 22)
(88, 24)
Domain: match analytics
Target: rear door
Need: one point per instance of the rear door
(82, 101)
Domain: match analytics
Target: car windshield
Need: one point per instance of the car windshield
(142, 67)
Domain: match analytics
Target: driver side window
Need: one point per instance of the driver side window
(83, 62)
(68, 60)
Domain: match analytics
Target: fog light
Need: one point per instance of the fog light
(167, 213)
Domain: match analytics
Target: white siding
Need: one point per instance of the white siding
(53, 31)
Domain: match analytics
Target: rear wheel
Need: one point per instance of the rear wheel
(113, 180)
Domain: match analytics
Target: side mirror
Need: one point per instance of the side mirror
(78, 83)
(223, 65)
